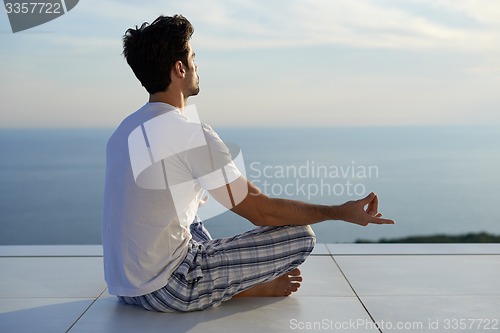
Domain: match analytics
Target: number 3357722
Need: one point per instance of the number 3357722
(32, 8)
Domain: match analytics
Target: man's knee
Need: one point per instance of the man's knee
(306, 234)
(311, 235)
(307, 231)
(310, 231)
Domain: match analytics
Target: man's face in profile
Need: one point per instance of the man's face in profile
(192, 87)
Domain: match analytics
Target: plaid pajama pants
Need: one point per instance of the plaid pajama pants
(215, 270)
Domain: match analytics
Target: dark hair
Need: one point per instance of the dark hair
(153, 49)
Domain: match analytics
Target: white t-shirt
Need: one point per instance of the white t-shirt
(158, 162)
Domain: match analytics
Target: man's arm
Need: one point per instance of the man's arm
(264, 211)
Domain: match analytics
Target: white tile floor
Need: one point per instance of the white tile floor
(427, 288)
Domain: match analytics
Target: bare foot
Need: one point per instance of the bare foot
(284, 285)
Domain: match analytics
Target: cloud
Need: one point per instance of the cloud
(388, 39)
(123, 10)
(361, 23)
(463, 25)
(486, 12)
(84, 45)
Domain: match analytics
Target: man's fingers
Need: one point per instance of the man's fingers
(372, 201)
(373, 206)
(377, 220)
(372, 210)
(368, 198)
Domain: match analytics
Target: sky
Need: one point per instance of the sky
(267, 63)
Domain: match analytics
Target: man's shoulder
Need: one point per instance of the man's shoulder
(147, 115)
(161, 127)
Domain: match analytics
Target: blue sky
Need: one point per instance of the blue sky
(267, 63)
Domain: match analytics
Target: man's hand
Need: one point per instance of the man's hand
(355, 212)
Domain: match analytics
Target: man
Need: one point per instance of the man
(157, 253)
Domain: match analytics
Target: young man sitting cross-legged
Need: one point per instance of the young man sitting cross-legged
(157, 253)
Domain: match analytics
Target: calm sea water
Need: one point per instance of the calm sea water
(429, 179)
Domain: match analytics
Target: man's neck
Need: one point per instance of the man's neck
(177, 100)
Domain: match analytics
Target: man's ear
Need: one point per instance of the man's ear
(178, 69)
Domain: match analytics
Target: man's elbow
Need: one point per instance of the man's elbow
(256, 210)
(261, 218)
(262, 221)
(256, 216)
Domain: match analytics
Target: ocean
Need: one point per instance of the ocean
(430, 179)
